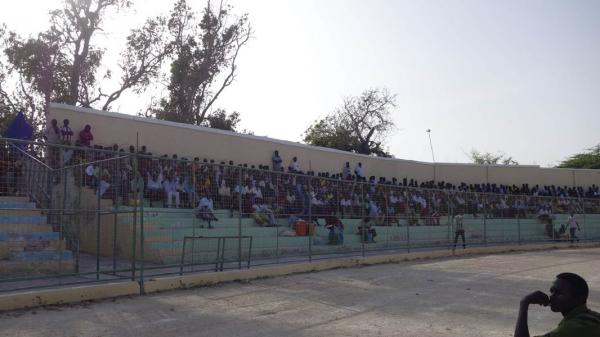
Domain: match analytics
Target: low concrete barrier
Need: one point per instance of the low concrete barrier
(21, 300)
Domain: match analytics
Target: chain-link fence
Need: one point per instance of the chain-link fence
(77, 214)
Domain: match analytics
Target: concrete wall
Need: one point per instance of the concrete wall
(161, 137)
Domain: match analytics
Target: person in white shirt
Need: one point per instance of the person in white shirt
(170, 185)
(294, 166)
(205, 211)
(573, 226)
(359, 172)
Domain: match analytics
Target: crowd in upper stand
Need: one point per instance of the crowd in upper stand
(278, 189)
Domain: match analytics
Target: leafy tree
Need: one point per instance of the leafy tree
(205, 51)
(361, 125)
(491, 158)
(219, 119)
(590, 159)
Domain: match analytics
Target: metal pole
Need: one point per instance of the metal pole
(519, 228)
(134, 234)
(485, 221)
(142, 240)
(362, 216)
(309, 219)
(97, 233)
(240, 220)
(119, 193)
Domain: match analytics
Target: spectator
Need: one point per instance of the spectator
(359, 172)
(294, 166)
(85, 136)
(205, 211)
(346, 175)
(154, 187)
(367, 234)
(53, 136)
(65, 136)
(263, 214)
(568, 295)
(276, 161)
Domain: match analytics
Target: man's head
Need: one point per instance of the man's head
(54, 122)
(567, 292)
(65, 122)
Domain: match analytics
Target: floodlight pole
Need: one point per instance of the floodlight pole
(432, 156)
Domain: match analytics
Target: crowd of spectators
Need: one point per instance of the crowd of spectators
(269, 192)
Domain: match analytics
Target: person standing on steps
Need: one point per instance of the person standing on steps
(459, 230)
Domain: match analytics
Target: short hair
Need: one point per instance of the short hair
(579, 286)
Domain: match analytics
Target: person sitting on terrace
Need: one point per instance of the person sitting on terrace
(205, 211)
(375, 213)
(367, 234)
(263, 214)
(225, 195)
(186, 189)
(154, 187)
(170, 186)
(336, 230)
(85, 136)
(104, 184)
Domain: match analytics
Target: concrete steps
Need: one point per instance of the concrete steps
(28, 244)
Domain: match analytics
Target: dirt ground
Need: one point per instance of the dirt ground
(474, 296)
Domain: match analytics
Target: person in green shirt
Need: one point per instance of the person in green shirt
(568, 295)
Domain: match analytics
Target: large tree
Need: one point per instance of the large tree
(491, 158)
(589, 159)
(360, 125)
(205, 50)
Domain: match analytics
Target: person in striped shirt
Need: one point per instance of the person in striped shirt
(459, 229)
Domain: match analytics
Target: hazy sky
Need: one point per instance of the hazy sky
(522, 77)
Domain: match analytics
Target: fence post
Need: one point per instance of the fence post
(138, 200)
(97, 229)
(519, 228)
(309, 236)
(485, 215)
(116, 210)
(240, 219)
(362, 216)
(142, 239)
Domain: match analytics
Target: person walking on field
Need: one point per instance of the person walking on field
(459, 230)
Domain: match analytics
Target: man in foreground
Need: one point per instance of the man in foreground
(568, 295)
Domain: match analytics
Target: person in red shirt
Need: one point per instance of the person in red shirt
(85, 136)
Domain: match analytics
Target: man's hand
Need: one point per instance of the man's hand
(536, 297)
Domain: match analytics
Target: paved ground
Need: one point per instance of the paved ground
(452, 297)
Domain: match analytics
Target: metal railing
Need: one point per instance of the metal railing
(122, 214)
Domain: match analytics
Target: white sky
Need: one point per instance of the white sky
(522, 77)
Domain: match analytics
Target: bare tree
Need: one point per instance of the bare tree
(361, 125)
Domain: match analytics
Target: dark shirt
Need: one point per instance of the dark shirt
(580, 322)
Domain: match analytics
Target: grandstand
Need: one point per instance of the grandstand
(151, 197)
